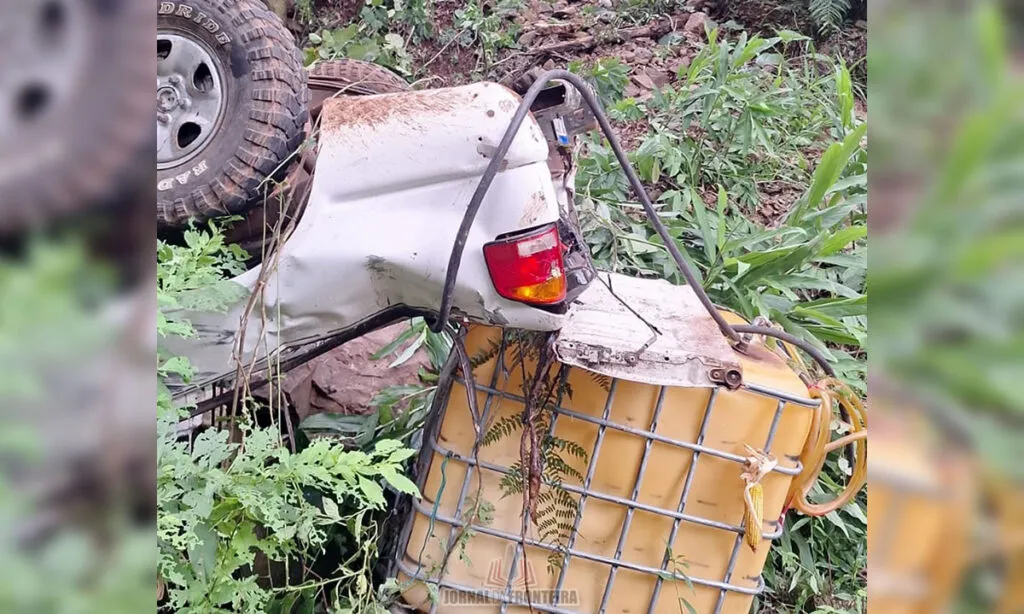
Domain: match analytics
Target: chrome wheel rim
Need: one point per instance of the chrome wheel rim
(190, 98)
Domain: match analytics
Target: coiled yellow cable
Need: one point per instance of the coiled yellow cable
(819, 445)
(834, 394)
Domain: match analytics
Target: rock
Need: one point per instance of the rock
(643, 55)
(632, 91)
(346, 379)
(549, 65)
(695, 23)
(527, 38)
(659, 78)
(606, 4)
(606, 16)
(562, 10)
(644, 81)
(627, 57)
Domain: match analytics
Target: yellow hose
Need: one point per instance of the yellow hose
(819, 445)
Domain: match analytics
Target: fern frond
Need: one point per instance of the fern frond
(512, 482)
(502, 428)
(554, 562)
(555, 468)
(602, 380)
(828, 15)
(486, 354)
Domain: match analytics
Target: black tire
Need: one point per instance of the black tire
(345, 76)
(264, 110)
(357, 76)
(82, 134)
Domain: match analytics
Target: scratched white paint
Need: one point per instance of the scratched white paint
(386, 201)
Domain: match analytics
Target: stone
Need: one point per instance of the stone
(644, 81)
(643, 55)
(695, 23)
(659, 78)
(527, 38)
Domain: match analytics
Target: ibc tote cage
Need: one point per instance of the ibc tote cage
(505, 599)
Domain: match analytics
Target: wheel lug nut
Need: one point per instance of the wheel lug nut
(163, 118)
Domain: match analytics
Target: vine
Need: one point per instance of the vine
(545, 460)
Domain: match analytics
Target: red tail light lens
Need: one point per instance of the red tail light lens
(528, 268)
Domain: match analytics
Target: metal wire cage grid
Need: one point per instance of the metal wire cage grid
(607, 564)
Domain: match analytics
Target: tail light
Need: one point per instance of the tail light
(528, 268)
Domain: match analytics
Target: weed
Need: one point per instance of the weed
(413, 16)
(829, 15)
(233, 513)
(609, 77)
(353, 42)
(492, 27)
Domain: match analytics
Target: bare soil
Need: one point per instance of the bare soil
(345, 380)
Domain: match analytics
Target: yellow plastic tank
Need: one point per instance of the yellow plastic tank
(919, 517)
(657, 496)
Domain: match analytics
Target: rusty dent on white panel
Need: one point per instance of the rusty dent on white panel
(646, 331)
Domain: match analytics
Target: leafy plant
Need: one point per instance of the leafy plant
(383, 15)
(399, 411)
(491, 26)
(240, 520)
(609, 77)
(352, 41)
(829, 15)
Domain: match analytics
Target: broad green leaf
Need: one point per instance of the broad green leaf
(372, 491)
(831, 165)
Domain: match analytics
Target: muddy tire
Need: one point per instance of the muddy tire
(231, 106)
(329, 78)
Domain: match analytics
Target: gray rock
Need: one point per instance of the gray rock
(632, 91)
(644, 82)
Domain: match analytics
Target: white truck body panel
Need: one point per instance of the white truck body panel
(393, 178)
